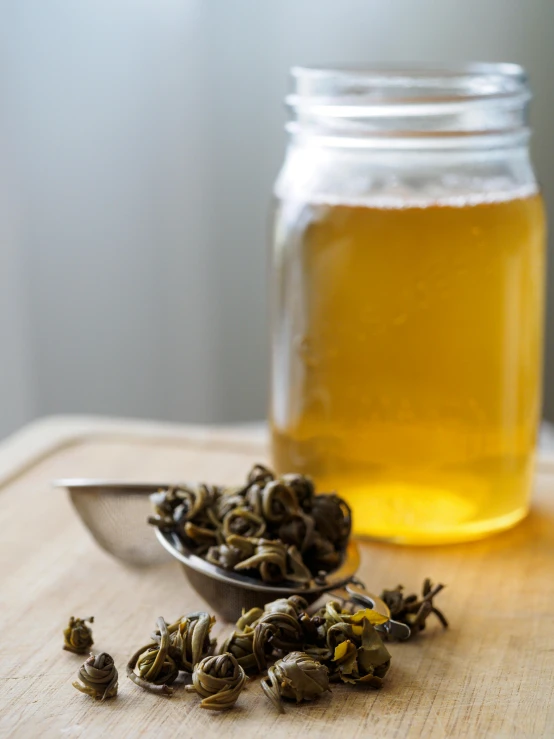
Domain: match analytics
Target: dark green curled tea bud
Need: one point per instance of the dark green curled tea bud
(276, 631)
(279, 502)
(224, 556)
(269, 558)
(151, 667)
(249, 618)
(189, 639)
(296, 677)
(241, 642)
(303, 487)
(241, 645)
(98, 677)
(77, 637)
(358, 658)
(333, 518)
(219, 681)
(294, 605)
(260, 474)
(243, 522)
(412, 610)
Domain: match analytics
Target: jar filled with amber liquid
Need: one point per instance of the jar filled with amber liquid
(407, 297)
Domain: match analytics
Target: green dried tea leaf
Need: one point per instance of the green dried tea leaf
(411, 609)
(219, 680)
(98, 677)
(270, 559)
(189, 639)
(298, 676)
(241, 645)
(151, 666)
(358, 657)
(77, 637)
(249, 618)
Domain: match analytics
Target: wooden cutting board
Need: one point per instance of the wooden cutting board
(490, 674)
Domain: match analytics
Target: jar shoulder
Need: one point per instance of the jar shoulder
(404, 178)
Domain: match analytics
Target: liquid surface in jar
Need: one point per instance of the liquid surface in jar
(407, 360)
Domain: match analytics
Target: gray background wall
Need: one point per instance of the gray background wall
(138, 144)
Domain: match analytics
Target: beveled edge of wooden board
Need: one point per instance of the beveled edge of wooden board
(45, 436)
(41, 438)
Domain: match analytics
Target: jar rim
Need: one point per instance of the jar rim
(471, 80)
(407, 99)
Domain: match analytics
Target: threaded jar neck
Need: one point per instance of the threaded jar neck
(412, 106)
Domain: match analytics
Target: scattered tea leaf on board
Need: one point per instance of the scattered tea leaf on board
(77, 637)
(297, 676)
(218, 680)
(413, 610)
(151, 666)
(98, 677)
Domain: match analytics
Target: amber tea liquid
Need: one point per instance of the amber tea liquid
(406, 364)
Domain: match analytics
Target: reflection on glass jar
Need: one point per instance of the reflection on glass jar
(408, 298)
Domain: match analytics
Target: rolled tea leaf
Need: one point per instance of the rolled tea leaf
(296, 569)
(412, 610)
(77, 637)
(333, 518)
(270, 559)
(322, 554)
(241, 642)
(260, 474)
(227, 502)
(224, 556)
(189, 639)
(298, 676)
(358, 658)
(395, 600)
(279, 502)
(151, 667)
(299, 531)
(276, 631)
(177, 505)
(219, 680)
(98, 677)
(243, 522)
(333, 614)
(249, 618)
(294, 605)
(241, 645)
(200, 534)
(247, 546)
(314, 629)
(303, 487)
(373, 656)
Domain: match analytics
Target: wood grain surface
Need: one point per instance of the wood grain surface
(490, 675)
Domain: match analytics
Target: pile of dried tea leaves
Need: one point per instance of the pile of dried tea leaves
(297, 654)
(274, 528)
(333, 645)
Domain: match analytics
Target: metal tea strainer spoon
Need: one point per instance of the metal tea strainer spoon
(116, 515)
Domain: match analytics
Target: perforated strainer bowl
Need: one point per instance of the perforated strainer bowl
(116, 515)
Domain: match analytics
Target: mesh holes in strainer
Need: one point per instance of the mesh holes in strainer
(118, 522)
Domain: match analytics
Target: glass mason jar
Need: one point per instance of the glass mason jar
(408, 272)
